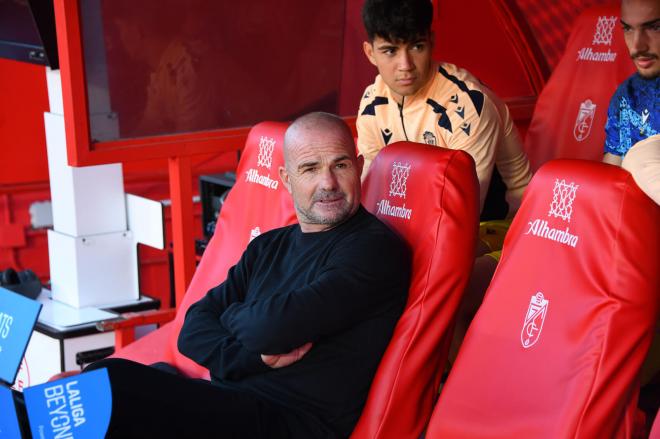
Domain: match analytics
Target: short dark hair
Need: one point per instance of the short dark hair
(397, 20)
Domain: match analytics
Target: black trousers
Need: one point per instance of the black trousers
(149, 402)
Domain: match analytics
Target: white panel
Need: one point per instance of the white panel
(108, 269)
(99, 198)
(42, 358)
(87, 200)
(145, 220)
(61, 179)
(97, 270)
(62, 317)
(54, 83)
(63, 271)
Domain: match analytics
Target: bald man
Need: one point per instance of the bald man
(292, 338)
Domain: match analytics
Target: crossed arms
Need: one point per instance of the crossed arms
(236, 333)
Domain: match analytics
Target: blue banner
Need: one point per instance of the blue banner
(75, 407)
(8, 422)
(18, 316)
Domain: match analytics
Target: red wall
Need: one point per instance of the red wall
(469, 34)
(23, 100)
(23, 164)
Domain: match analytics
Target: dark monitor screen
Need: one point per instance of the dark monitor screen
(27, 31)
(174, 66)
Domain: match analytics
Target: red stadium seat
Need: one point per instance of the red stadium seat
(429, 196)
(556, 347)
(258, 202)
(570, 114)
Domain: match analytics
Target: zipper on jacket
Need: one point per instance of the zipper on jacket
(401, 116)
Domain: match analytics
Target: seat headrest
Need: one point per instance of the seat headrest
(258, 202)
(579, 204)
(413, 184)
(571, 111)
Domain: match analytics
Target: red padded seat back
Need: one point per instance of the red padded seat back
(571, 111)
(556, 347)
(430, 196)
(258, 202)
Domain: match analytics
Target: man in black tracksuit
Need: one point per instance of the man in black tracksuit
(293, 337)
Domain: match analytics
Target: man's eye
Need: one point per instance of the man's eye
(342, 165)
(655, 27)
(626, 28)
(388, 51)
(419, 47)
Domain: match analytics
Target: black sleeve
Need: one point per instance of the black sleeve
(362, 278)
(207, 342)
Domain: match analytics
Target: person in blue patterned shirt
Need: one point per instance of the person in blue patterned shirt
(634, 111)
(632, 138)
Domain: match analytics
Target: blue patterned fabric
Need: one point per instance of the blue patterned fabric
(633, 115)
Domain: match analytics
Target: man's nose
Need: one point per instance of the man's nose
(639, 41)
(405, 62)
(328, 180)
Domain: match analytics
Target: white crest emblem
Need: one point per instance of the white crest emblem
(531, 331)
(400, 173)
(584, 120)
(265, 157)
(604, 29)
(563, 196)
(254, 233)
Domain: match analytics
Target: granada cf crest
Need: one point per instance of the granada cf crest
(429, 138)
(531, 331)
(584, 120)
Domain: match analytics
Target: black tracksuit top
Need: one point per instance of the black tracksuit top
(342, 289)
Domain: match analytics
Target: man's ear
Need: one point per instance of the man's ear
(368, 49)
(360, 164)
(284, 176)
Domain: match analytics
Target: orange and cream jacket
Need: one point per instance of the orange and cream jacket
(453, 111)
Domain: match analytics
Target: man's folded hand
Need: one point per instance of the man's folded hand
(282, 360)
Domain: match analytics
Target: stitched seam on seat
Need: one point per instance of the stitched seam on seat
(615, 282)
